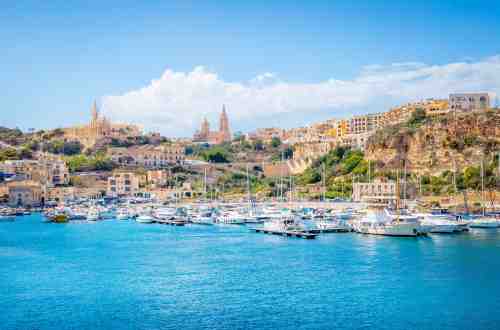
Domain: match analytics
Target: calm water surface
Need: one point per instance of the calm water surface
(124, 275)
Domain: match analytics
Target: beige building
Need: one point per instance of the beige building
(100, 128)
(25, 193)
(60, 194)
(467, 102)
(148, 156)
(50, 171)
(157, 178)
(267, 134)
(365, 123)
(122, 184)
(378, 191)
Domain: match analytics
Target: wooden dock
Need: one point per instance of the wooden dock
(330, 230)
(285, 233)
(170, 222)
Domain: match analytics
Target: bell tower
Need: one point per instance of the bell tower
(224, 131)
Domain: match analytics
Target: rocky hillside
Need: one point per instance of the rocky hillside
(434, 145)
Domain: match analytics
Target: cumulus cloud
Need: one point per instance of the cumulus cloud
(175, 103)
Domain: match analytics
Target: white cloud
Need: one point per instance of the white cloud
(175, 103)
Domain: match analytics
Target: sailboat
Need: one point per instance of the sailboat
(484, 221)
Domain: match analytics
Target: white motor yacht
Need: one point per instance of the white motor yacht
(439, 224)
(378, 223)
(144, 218)
(283, 225)
(231, 218)
(93, 214)
(484, 222)
(122, 214)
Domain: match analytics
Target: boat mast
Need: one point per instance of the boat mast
(482, 186)
(404, 185)
(248, 190)
(397, 194)
(324, 182)
(205, 183)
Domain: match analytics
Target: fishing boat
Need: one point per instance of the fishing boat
(59, 217)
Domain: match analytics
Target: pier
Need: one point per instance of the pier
(173, 222)
(306, 235)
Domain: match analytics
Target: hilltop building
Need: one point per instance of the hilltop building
(100, 128)
(468, 102)
(204, 135)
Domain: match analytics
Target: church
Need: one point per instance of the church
(204, 135)
(100, 128)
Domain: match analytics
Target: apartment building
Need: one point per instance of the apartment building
(122, 184)
(148, 156)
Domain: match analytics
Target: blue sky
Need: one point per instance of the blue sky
(58, 56)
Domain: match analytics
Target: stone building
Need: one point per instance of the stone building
(100, 128)
(25, 194)
(48, 170)
(157, 178)
(204, 135)
(380, 191)
(148, 156)
(122, 184)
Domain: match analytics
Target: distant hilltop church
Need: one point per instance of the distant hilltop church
(214, 137)
(100, 128)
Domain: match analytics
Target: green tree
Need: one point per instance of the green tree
(275, 142)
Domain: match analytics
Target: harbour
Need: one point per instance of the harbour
(133, 276)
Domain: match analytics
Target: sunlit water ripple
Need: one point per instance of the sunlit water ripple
(124, 275)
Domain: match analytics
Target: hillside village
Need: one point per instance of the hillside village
(443, 147)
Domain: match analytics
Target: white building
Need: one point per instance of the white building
(469, 102)
(377, 191)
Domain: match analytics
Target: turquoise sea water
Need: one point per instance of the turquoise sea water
(125, 275)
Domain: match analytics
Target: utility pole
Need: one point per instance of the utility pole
(248, 189)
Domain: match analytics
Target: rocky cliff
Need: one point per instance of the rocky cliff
(433, 145)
